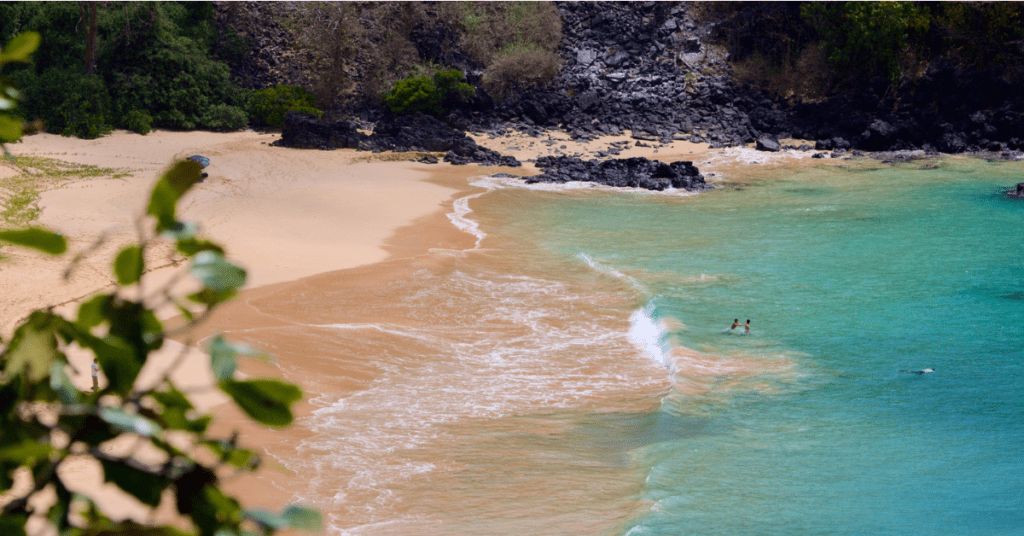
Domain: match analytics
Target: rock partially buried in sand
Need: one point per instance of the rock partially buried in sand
(623, 173)
(765, 143)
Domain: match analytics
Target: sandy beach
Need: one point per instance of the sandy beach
(290, 217)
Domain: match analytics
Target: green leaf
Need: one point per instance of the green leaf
(228, 453)
(176, 408)
(210, 297)
(33, 347)
(267, 401)
(192, 246)
(57, 515)
(25, 453)
(128, 265)
(92, 430)
(168, 190)
(61, 384)
(145, 487)
(303, 518)
(199, 425)
(9, 395)
(19, 48)
(172, 399)
(130, 423)
(116, 358)
(222, 358)
(130, 528)
(267, 519)
(182, 230)
(93, 312)
(36, 238)
(13, 524)
(215, 272)
(10, 126)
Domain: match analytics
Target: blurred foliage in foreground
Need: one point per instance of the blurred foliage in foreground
(47, 421)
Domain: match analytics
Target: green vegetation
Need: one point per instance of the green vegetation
(47, 421)
(869, 37)
(431, 95)
(516, 42)
(17, 50)
(267, 107)
(19, 193)
(807, 49)
(115, 65)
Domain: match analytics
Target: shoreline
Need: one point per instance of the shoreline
(257, 211)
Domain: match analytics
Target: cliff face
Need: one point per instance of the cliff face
(652, 68)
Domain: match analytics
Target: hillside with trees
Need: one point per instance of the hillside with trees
(877, 75)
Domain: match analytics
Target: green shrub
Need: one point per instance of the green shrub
(269, 106)
(153, 57)
(872, 38)
(224, 117)
(416, 94)
(430, 95)
(71, 103)
(450, 88)
(138, 121)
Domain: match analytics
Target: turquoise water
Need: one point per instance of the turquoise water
(806, 425)
(573, 372)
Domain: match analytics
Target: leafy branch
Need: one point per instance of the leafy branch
(45, 419)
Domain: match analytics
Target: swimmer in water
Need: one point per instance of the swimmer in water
(747, 326)
(919, 372)
(735, 323)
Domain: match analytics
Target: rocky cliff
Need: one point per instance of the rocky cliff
(652, 68)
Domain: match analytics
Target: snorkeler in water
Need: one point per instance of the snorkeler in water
(919, 372)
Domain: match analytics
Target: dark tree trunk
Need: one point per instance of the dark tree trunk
(90, 36)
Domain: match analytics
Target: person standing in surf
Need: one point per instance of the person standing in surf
(735, 323)
(747, 326)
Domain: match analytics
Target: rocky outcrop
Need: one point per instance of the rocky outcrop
(404, 133)
(640, 66)
(629, 172)
(1017, 192)
(653, 68)
(303, 131)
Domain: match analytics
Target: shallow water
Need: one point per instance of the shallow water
(574, 372)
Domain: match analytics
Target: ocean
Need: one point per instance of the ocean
(569, 369)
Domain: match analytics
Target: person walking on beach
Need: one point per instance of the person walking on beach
(735, 323)
(95, 376)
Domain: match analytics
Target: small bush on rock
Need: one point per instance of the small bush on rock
(269, 106)
(430, 95)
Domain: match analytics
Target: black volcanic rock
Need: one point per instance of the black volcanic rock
(764, 143)
(403, 133)
(304, 131)
(629, 172)
(1018, 192)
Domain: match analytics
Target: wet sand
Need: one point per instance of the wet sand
(304, 223)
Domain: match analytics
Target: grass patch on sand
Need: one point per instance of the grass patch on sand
(25, 177)
(395, 157)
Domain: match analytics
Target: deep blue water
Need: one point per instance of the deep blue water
(806, 425)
